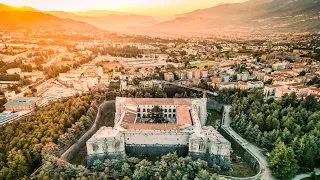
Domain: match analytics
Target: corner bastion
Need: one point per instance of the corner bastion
(157, 126)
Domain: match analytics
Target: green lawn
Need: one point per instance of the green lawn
(214, 118)
(206, 63)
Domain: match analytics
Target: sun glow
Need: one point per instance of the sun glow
(133, 6)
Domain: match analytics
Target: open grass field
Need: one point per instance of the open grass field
(206, 63)
(106, 66)
(214, 118)
(241, 170)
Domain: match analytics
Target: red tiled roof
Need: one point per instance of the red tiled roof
(129, 118)
(153, 127)
(183, 115)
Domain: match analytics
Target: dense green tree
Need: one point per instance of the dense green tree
(97, 165)
(157, 114)
(159, 93)
(26, 142)
(282, 162)
(290, 120)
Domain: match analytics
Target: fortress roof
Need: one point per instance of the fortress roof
(158, 101)
(183, 115)
(153, 127)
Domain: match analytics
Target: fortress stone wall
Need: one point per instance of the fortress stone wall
(185, 135)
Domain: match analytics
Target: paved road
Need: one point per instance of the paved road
(266, 173)
(53, 60)
(301, 176)
(13, 58)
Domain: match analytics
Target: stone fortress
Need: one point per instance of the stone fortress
(135, 133)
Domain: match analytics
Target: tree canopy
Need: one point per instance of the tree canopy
(288, 124)
(47, 131)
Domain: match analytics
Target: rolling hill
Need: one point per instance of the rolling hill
(98, 13)
(4, 7)
(39, 20)
(112, 22)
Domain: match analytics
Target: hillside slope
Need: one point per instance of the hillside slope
(109, 22)
(4, 7)
(253, 15)
(39, 20)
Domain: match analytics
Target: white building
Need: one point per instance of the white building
(169, 76)
(104, 79)
(189, 74)
(135, 132)
(13, 70)
(243, 76)
(226, 78)
(227, 85)
(151, 84)
(255, 84)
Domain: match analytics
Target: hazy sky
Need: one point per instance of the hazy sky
(133, 6)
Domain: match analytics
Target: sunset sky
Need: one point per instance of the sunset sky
(155, 7)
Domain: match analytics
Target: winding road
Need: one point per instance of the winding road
(256, 151)
(301, 176)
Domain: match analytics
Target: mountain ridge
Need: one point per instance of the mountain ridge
(39, 20)
(4, 7)
(253, 14)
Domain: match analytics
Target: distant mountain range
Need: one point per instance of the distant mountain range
(98, 13)
(250, 16)
(112, 22)
(262, 15)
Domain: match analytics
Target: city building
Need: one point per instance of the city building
(182, 131)
(279, 66)
(226, 78)
(13, 70)
(151, 84)
(228, 85)
(7, 117)
(204, 73)
(169, 76)
(23, 103)
(243, 76)
(242, 85)
(189, 74)
(104, 79)
(255, 84)
(196, 73)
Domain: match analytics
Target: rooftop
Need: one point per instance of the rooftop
(6, 116)
(105, 132)
(315, 89)
(158, 101)
(183, 115)
(129, 118)
(22, 101)
(153, 127)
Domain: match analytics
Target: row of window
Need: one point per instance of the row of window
(149, 110)
(149, 115)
